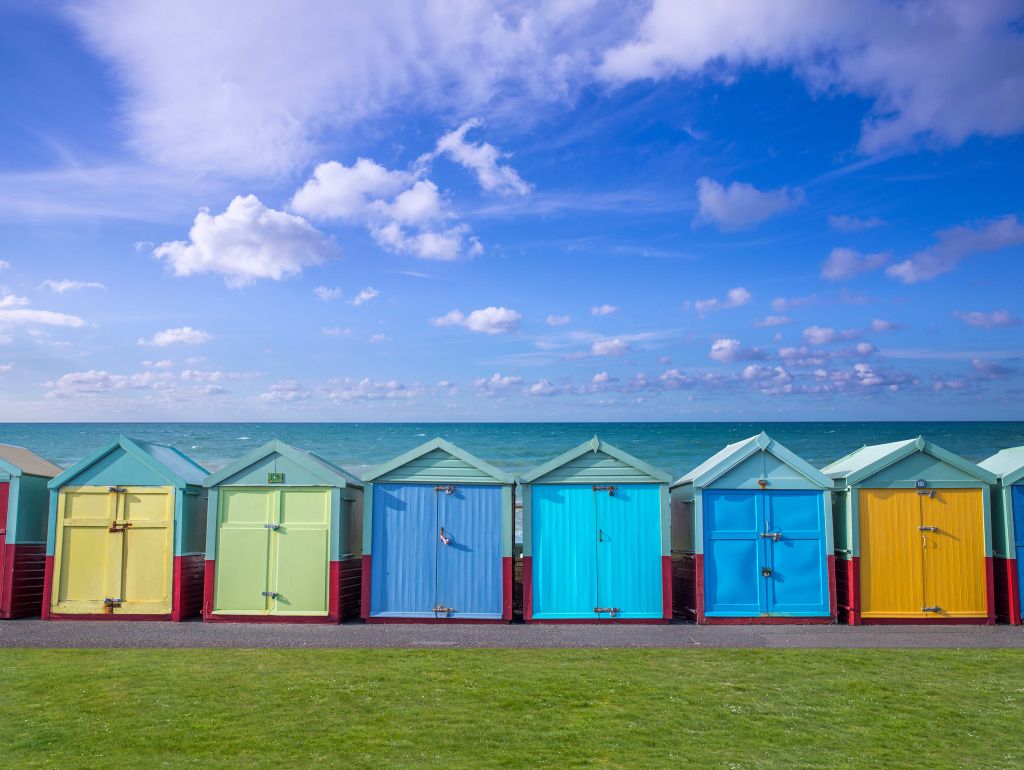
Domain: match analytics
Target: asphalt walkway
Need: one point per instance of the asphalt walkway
(38, 633)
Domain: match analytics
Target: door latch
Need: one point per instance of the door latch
(441, 609)
(117, 490)
(613, 611)
(119, 526)
(932, 608)
(269, 594)
(445, 538)
(766, 572)
(923, 528)
(776, 536)
(610, 489)
(274, 527)
(448, 489)
(109, 605)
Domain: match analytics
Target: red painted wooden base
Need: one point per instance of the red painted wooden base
(852, 612)
(506, 588)
(22, 579)
(774, 620)
(343, 577)
(186, 589)
(684, 586)
(601, 621)
(437, 621)
(1007, 590)
(528, 588)
(666, 588)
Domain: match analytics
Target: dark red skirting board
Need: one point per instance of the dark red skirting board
(853, 611)
(187, 599)
(832, 604)
(1007, 591)
(23, 580)
(44, 610)
(527, 588)
(666, 588)
(350, 574)
(338, 577)
(441, 621)
(506, 588)
(364, 598)
(847, 590)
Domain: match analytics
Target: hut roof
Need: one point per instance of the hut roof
(733, 454)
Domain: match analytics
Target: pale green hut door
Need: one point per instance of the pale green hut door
(272, 551)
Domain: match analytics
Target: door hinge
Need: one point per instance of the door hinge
(269, 594)
(109, 605)
(274, 527)
(441, 609)
(609, 610)
(609, 488)
(924, 528)
(932, 608)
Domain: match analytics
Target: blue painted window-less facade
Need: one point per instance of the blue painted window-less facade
(764, 554)
(436, 551)
(596, 551)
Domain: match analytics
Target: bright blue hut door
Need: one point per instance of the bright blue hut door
(764, 554)
(436, 551)
(595, 550)
(1018, 528)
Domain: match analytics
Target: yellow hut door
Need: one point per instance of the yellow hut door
(953, 542)
(891, 557)
(114, 550)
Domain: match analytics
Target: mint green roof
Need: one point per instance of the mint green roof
(1007, 464)
(733, 454)
(313, 463)
(596, 446)
(869, 460)
(433, 445)
(166, 461)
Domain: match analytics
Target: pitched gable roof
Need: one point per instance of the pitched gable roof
(445, 446)
(318, 466)
(17, 460)
(1007, 464)
(173, 465)
(597, 446)
(733, 454)
(869, 460)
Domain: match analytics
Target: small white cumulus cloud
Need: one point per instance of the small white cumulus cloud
(773, 320)
(956, 244)
(488, 320)
(736, 297)
(987, 320)
(245, 243)
(364, 296)
(882, 325)
(497, 383)
(740, 205)
(482, 159)
(13, 311)
(823, 335)
(541, 388)
(729, 350)
(558, 320)
(183, 335)
(602, 310)
(844, 263)
(327, 293)
(609, 347)
(65, 285)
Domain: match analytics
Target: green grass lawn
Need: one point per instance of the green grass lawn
(511, 708)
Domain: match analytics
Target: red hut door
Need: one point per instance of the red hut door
(5, 489)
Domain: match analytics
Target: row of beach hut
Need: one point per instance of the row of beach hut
(904, 532)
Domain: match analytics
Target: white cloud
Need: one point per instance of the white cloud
(729, 350)
(183, 335)
(845, 223)
(44, 317)
(65, 285)
(941, 71)
(600, 310)
(782, 304)
(4, 264)
(609, 347)
(773, 320)
(99, 382)
(364, 296)
(845, 263)
(13, 300)
(286, 392)
(366, 389)
(881, 325)
(379, 338)
(741, 205)
(327, 293)
(823, 335)
(402, 212)
(733, 298)
(482, 159)
(162, 364)
(990, 320)
(601, 378)
(336, 331)
(542, 388)
(488, 320)
(497, 383)
(956, 244)
(558, 320)
(245, 243)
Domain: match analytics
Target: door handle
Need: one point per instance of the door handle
(600, 535)
(445, 538)
(928, 529)
(776, 536)
(270, 594)
(274, 527)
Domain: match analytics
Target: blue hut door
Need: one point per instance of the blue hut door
(564, 541)
(468, 548)
(1017, 495)
(628, 518)
(764, 554)
(404, 551)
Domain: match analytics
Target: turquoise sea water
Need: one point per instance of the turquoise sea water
(515, 447)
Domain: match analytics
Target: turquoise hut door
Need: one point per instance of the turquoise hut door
(764, 554)
(596, 551)
(628, 518)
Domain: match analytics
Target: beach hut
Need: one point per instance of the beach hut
(127, 527)
(1008, 531)
(23, 508)
(438, 545)
(913, 536)
(283, 539)
(596, 539)
(752, 538)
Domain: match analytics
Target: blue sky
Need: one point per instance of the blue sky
(511, 211)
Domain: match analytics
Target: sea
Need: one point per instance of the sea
(674, 447)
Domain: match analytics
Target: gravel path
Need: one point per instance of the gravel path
(38, 633)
